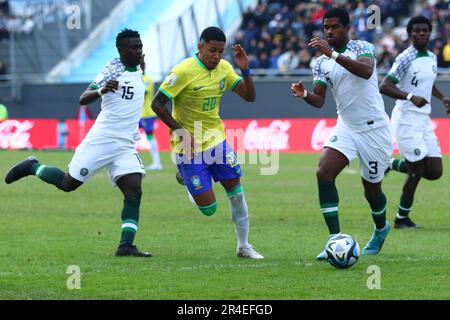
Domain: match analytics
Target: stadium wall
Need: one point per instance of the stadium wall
(274, 100)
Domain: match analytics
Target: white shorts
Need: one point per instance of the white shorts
(414, 135)
(95, 153)
(374, 149)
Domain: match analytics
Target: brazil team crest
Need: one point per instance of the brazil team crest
(196, 182)
(222, 84)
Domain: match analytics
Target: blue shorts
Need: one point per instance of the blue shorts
(147, 124)
(219, 163)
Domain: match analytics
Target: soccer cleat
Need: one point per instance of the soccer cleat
(20, 170)
(322, 256)
(130, 250)
(180, 179)
(154, 167)
(376, 241)
(405, 223)
(248, 252)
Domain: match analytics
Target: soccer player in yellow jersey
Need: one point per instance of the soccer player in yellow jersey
(148, 119)
(195, 87)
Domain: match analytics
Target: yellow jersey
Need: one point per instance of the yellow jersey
(195, 92)
(147, 111)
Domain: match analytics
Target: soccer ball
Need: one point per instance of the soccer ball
(342, 251)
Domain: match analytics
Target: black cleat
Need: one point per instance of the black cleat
(180, 179)
(130, 250)
(404, 223)
(20, 170)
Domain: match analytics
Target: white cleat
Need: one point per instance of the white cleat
(154, 167)
(248, 252)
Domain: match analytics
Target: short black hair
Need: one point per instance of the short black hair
(126, 34)
(338, 13)
(417, 20)
(213, 34)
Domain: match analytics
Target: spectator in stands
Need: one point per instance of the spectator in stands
(3, 111)
(288, 60)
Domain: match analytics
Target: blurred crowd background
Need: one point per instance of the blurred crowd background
(276, 33)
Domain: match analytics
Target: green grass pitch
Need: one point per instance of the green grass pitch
(44, 231)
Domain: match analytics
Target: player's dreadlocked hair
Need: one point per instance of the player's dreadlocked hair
(338, 13)
(417, 20)
(213, 34)
(126, 34)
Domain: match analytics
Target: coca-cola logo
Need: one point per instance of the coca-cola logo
(320, 135)
(273, 137)
(14, 134)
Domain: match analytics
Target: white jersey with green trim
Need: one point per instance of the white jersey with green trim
(120, 110)
(358, 101)
(414, 72)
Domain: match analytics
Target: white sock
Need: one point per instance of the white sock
(239, 215)
(154, 152)
(191, 198)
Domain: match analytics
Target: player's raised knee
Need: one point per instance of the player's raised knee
(433, 174)
(209, 210)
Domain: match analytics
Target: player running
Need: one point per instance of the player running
(195, 87)
(411, 82)
(110, 143)
(362, 130)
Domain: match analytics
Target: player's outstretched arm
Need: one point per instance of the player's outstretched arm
(245, 89)
(90, 95)
(438, 94)
(362, 67)
(315, 98)
(389, 88)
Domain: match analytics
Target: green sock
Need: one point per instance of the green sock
(50, 175)
(130, 219)
(378, 206)
(150, 136)
(399, 165)
(404, 208)
(329, 201)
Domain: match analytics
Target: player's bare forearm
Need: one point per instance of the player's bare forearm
(315, 100)
(246, 89)
(363, 67)
(88, 96)
(389, 88)
(437, 93)
(159, 107)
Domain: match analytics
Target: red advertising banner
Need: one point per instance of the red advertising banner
(284, 135)
(29, 134)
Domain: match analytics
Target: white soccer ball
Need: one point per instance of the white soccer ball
(342, 251)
